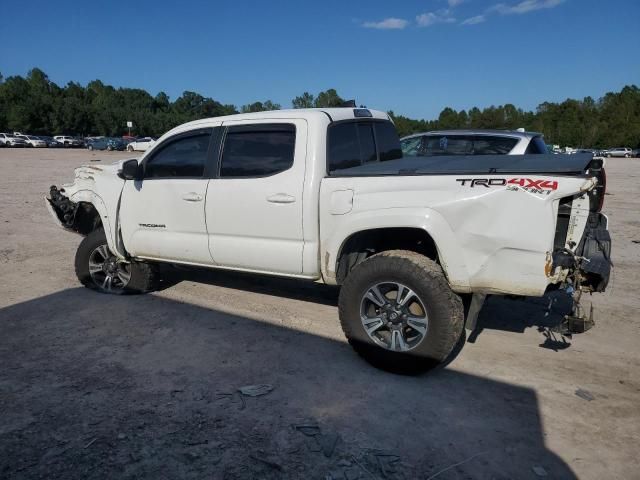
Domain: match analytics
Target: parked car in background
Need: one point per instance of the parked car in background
(116, 144)
(473, 142)
(33, 141)
(12, 141)
(96, 143)
(68, 141)
(636, 153)
(619, 152)
(140, 144)
(51, 143)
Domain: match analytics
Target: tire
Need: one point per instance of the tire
(143, 277)
(129, 148)
(443, 312)
(626, 155)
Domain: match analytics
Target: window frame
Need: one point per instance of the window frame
(248, 127)
(214, 137)
(367, 120)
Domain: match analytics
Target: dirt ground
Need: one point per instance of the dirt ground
(97, 386)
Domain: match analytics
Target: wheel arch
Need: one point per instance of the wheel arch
(423, 232)
(94, 203)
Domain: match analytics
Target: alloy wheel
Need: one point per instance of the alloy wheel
(107, 272)
(394, 316)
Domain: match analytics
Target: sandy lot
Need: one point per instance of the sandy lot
(95, 386)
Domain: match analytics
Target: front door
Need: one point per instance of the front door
(163, 215)
(254, 206)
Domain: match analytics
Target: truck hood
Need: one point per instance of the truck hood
(87, 177)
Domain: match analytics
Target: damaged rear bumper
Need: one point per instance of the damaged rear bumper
(589, 265)
(589, 270)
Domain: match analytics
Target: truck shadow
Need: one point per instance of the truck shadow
(517, 314)
(283, 287)
(97, 386)
(511, 314)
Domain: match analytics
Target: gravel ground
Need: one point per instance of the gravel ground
(95, 386)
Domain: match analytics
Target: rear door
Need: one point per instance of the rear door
(163, 215)
(254, 206)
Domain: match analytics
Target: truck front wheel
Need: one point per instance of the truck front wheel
(99, 269)
(398, 312)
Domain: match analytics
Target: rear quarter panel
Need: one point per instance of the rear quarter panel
(491, 239)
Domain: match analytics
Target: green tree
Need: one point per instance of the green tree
(328, 99)
(306, 100)
(260, 107)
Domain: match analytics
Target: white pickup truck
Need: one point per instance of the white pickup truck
(325, 195)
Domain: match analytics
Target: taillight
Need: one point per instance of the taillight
(602, 179)
(596, 196)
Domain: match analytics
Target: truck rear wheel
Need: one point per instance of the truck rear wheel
(398, 312)
(99, 269)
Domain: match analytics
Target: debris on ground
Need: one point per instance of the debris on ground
(318, 441)
(635, 241)
(328, 443)
(455, 465)
(585, 394)
(260, 457)
(539, 471)
(255, 390)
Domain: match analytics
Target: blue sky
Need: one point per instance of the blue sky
(413, 57)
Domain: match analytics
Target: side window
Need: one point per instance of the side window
(184, 157)
(448, 145)
(485, 145)
(258, 150)
(350, 144)
(387, 141)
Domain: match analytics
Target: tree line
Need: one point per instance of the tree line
(35, 104)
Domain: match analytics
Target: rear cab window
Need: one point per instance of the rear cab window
(352, 143)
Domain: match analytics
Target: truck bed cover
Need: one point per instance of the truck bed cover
(473, 164)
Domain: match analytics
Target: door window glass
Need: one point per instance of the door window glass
(258, 150)
(184, 157)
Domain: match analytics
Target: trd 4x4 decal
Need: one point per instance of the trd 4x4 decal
(527, 184)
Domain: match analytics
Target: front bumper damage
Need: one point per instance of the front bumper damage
(77, 217)
(64, 209)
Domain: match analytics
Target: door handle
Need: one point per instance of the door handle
(192, 197)
(281, 198)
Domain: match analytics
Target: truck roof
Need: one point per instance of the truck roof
(333, 114)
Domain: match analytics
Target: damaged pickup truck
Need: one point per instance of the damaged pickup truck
(416, 244)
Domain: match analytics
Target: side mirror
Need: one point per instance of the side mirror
(131, 170)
